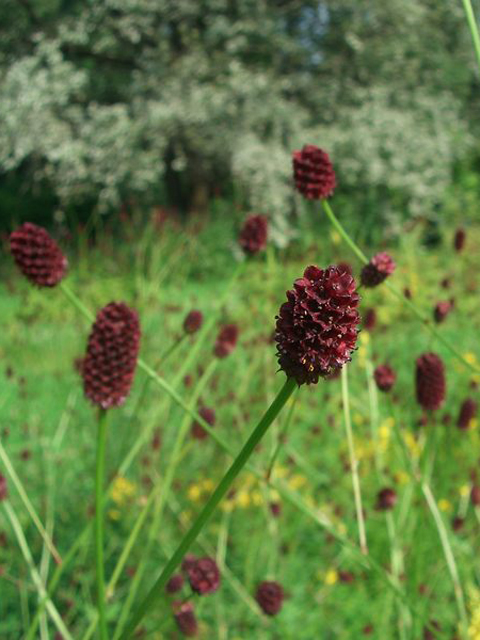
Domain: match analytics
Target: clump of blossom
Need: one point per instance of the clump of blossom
(193, 321)
(370, 319)
(174, 584)
(37, 255)
(441, 310)
(109, 365)
(430, 381)
(386, 499)
(185, 618)
(385, 377)
(3, 488)
(226, 341)
(269, 597)
(377, 270)
(254, 234)
(317, 328)
(468, 411)
(208, 414)
(204, 576)
(313, 173)
(459, 240)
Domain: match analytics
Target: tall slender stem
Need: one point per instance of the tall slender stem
(472, 23)
(99, 519)
(225, 484)
(449, 557)
(353, 463)
(427, 323)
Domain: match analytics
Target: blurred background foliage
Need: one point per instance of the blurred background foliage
(125, 105)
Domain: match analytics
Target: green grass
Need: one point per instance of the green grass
(165, 274)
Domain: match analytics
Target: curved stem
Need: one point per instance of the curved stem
(99, 528)
(156, 591)
(353, 464)
(398, 294)
(472, 23)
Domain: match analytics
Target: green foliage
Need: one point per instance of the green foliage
(174, 102)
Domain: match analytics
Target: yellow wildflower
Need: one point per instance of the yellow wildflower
(444, 505)
(331, 577)
(194, 492)
(122, 490)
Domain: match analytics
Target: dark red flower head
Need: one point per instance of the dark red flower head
(208, 415)
(175, 583)
(204, 576)
(386, 499)
(226, 340)
(468, 411)
(37, 255)
(109, 364)
(185, 618)
(430, 381)
(370, 319)
(441, 310)
(313, 173)
(254, 234)
(459, 239)
(316, 328)
(345, 266)
(475, 495)
(385, 377)
(377, 270)
(270, 597)
(3, 488)
(193, 321)
(188, 562)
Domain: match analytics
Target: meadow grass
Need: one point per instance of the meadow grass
(49, 436)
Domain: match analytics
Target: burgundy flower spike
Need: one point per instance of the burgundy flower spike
(270, 597)
(193, 321)
(377, 270)
(430, 381)
(468, 411)
(317, 327)
(37, 255)
(385, 377)
(204, 576)
(109, 365)
(254, 234)
(198, 432)
(185, 618)
(313, 173)
(226, 340)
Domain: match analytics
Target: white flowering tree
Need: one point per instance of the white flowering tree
(175, 100)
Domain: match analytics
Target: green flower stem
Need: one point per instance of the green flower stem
(99, 521)
(51, 609)
(398, 294)
(449, 557)
(28, 505)
(72, 553)
(281, 439)
(472, 23)
(353, 463)
(225, 484)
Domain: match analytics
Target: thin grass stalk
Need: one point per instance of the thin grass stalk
(28, 505)
(57, 574)
(473, 26)
(225, 484)
(25, 549)
(353, 464)
(425, 320)
(99, 522)
(449, 557)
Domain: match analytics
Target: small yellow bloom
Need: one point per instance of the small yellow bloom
(122, 490)
(331, 577)
(208, 485)
(470, 357)
(464, 490)
(242, 499)
(194, 492)
(114, 514)
(402, 477)
(297, 481)
(444, 505)
(335, 237)
(257, 498)
(227, 506)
